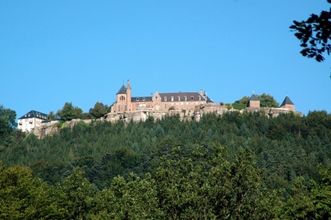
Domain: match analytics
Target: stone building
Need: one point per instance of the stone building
(253, 102)
(287, 103)
(187, 101)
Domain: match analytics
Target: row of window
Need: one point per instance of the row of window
(165, 98)
(122, 98)
(37, 115)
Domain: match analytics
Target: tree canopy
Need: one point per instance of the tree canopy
(69, 112)
(7, 124)
(99, 110)
(314, 35)
(238, 165)
(266, 100)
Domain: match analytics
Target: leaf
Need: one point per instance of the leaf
(314, 17)
(296, 23)
(299, 35)
(319, 58)
(312, 42)
(304, 52)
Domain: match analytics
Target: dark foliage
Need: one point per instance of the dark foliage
(314, 35)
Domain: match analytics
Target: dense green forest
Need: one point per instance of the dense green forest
(234, 166)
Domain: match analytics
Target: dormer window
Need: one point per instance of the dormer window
(137, 99)
(172, 98)
(165, 98)
(178, 98)
(192, 98)
(143, 99)
(185, 98)
(199, 98)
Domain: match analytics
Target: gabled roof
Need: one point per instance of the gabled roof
(34, 114)
(122, 90)
(254, 98)
(287, 101)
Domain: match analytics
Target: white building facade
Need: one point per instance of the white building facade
(32, 119)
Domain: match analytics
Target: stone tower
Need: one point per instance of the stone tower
(287, 103)
(128, 97)
(253, 102)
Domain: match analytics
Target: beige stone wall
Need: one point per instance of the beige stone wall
(254, 104)
(194, 113)
(158, 105)
(46, 129)
(290, 107)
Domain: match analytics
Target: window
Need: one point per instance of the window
(143, 99)
(192, 98)
(137, 99)
(199, 98)
(172, 98)
(122, 98)
(178, 98)
(185, 98)
(119, 108)
(124, 107)
(165, 98)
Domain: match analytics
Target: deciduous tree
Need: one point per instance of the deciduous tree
(314, 35)
(69, 112)
(99, 110)
(7, 125)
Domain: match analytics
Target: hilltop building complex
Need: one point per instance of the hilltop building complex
(158, 102)
(188, 105)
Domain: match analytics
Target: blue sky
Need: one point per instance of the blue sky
(52, 52)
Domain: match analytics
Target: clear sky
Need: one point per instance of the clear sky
(52, 52)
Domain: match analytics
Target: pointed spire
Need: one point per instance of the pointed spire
(129, 86)
(287, 101)
(254, 98)
(122, 90)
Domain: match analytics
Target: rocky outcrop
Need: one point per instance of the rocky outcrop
(52, 127)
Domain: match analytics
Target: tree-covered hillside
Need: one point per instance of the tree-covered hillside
(235, 166)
